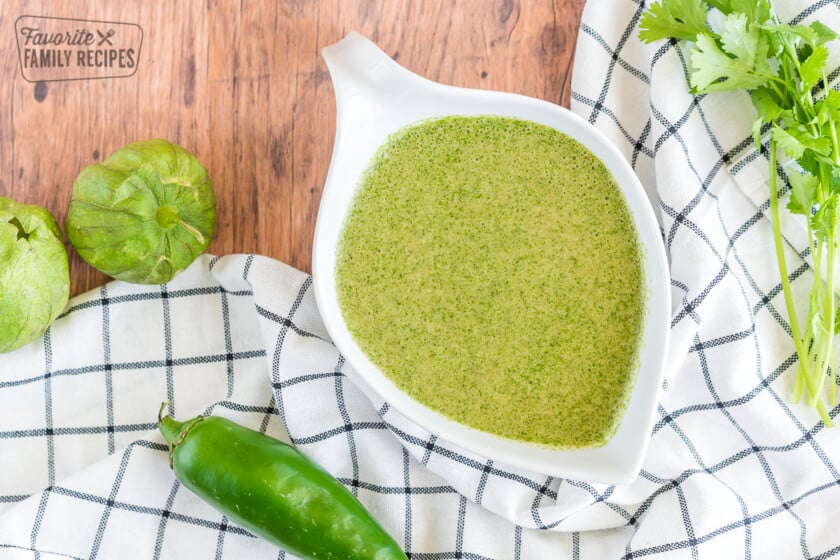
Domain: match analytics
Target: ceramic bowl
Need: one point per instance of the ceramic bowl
(376, 97)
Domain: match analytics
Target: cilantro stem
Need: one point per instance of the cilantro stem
(814, 339)
(782, 93)
(829, 318)
(802, 352)
(832, 365)
(797, 387)
(780, 257)
(832, 129)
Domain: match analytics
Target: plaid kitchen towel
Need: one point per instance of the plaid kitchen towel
(733, 469)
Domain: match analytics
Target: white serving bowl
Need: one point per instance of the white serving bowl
(376, 97)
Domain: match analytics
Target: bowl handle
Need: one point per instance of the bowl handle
(362, 73)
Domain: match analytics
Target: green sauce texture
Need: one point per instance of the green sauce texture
(490, 267)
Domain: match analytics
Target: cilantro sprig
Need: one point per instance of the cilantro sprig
(783, 67)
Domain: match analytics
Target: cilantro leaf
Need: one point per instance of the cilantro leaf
(802, 189)
(813, 35)
(724, 6)
(766, 104)
(824, 33)
(810, 71)
(828, 109)
(741, 63)
(809, 163)
(793, 148)
(681, 19)
(824, 219)
(803, 32)
(757, 11)
(794, 141)
(743, 40)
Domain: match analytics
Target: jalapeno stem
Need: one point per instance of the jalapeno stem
(173, 431)
(170, 428)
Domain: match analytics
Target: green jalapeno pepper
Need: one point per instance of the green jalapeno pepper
(273, 490)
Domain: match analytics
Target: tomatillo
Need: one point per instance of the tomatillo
(34, 275)
(144, 214)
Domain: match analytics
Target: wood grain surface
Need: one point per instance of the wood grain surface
(242, 85)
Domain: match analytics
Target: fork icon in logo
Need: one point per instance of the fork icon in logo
(105, 37)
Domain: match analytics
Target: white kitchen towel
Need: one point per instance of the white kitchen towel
(742, 473)
(733, 470)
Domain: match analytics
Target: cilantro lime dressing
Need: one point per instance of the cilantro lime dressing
(490, 267)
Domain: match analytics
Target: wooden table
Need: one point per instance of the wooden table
(243, 87)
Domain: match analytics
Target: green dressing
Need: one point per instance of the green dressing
(490, 267)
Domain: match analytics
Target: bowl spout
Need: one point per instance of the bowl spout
(361, 71)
